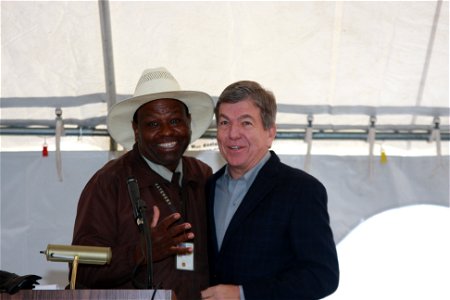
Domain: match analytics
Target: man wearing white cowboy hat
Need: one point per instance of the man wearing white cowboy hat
(158, 123)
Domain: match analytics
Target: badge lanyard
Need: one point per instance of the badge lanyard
(169, 203)
(182, 262)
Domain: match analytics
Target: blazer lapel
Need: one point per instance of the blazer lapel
(263, 184)
(211, 187)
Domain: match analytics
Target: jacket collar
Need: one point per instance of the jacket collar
(263, 184)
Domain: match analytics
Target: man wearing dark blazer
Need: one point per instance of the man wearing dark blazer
(269, 232)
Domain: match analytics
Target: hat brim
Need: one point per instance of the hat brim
(120, 117)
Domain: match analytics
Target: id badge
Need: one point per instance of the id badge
(186, 261)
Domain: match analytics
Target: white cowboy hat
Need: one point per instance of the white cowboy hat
(157, 84)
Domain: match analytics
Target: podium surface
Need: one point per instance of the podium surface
(88, 294)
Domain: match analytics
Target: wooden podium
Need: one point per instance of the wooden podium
(89, 294)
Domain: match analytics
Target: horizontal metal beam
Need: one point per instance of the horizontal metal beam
(51, 131)
(350, 135)
(77, 101)
(281, 134)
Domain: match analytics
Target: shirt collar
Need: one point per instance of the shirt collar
(163, 171)
(250, 175)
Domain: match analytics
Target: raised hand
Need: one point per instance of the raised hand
(167, 235)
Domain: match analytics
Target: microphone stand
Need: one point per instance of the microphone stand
(139, 208)
(148, 243)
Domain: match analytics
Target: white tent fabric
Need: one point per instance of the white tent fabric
(341, 61)
(386, 256)
(37, 209)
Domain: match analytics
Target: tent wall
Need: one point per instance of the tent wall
(373, 54)
(37, 209)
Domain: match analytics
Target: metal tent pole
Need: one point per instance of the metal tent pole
(108, 59)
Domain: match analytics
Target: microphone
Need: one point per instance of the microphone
(136, 202)
(86, 254)
(139, 208)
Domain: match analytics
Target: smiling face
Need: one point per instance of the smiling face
(241, 136)
(162, 131)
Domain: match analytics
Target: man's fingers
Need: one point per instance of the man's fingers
(177, 230)
(181, 250)
(184, 237)
(169, 220)
(177, 250)
(207, 294)
(155, 216)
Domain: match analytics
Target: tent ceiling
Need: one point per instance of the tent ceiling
(340, 61)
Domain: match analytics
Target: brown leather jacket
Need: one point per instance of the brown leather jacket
(105, 218)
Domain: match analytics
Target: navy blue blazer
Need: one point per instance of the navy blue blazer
(279, 244)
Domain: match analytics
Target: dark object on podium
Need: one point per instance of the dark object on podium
(11, 283)
(89, 294)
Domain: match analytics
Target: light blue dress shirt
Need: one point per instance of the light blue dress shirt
(228, 196)
(229, 193)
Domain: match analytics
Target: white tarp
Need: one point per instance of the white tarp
(37, 209)
(344, 60)
(401, 253)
